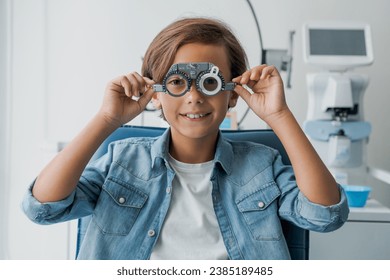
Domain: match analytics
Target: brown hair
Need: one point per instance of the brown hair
(162, 50)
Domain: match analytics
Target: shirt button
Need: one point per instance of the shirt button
(261, 204)
(168, 189)
(121, 200)
(151, 233)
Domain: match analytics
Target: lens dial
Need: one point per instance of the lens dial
(210, 82)
(177, 83)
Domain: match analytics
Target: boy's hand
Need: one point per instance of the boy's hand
(125, 98)
(268, 100)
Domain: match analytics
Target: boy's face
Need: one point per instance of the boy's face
(195, 115)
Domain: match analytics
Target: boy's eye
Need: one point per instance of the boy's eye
(176, 81)
(210, 84)
(176, 84)
(210, 81)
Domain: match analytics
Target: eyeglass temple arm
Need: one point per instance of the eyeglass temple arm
(229, 86)
(158, 88)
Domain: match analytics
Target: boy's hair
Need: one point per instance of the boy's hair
(162, 50)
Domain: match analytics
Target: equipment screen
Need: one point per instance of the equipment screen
(337, 42)
(337, 45)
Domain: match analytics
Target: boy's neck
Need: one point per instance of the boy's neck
(192, 150)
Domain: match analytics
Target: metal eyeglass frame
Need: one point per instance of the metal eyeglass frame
(198, 71)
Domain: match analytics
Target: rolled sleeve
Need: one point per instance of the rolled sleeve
(45, 213)
(78, 204)
(324, 218)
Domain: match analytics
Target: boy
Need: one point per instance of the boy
(189, 194)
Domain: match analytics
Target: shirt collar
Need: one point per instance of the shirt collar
(223, 152)
(160, 148)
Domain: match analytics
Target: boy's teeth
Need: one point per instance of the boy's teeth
(195, 116)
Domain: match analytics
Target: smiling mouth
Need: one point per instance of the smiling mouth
(196, 116)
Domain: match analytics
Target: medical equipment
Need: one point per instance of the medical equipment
(208, 79)
(280, 58)
(335, 118)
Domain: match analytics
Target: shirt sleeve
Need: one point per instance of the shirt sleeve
(327, 218)
(48, 212)
(79, 203)
(296, 208)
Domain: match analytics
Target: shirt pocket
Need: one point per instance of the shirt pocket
(260, 212)
(118, 207)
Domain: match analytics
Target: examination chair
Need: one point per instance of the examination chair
(297, 238)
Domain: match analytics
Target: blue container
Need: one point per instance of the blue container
(357, 195)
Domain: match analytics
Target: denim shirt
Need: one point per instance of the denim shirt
(128, 192)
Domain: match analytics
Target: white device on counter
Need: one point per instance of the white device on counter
(335, 119)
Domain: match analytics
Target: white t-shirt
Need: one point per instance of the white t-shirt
(190, 230)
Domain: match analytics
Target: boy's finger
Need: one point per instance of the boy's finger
(149, 81)
(140, 82)
(244, 93)
(125, 84)
(146, 97)
(135, 86)
(268, 71)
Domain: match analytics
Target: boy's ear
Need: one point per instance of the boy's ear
(156, 101)
(233, 99)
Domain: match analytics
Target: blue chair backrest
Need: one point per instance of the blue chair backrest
(296, 237)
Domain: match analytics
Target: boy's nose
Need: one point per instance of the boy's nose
(194, 96)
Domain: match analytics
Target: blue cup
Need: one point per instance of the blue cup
(357, 195)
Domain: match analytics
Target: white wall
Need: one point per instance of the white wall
(4, 120)
(65, 51)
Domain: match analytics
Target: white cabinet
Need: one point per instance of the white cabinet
(366, 235)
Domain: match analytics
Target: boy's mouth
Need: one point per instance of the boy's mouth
(196, 116)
